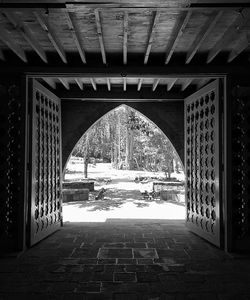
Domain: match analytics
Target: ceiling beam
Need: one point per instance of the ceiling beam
(5, 37)
(64, 82)
(139, 84)
(171, 84)
(79, 83)
(177, 34)
(203, 82)
(155, 84)
(130, 71)
(50, 82)
(117, 93)
(151, 35)
(51, 35)
(92, 81)
(242, 44)
(231, 32)
(186, 83)
(124, 83)
(76, 36)
(125, 38)
(108, 84)
(26, 33)
(100, 35)
(205, 31)
(1, 55)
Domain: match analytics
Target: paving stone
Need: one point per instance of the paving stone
(70, 262)
(107, 261)
(156, 268)
(126, 261)
(114, 245)
(146, 277)
(177, 268)
(93, 287)
(88, 261)
(135, 245)
(74, 296)
(113, 287)
(145, 261)
(125, 296)
(145, 253)
(85, 252)
(115, 253)
(124, 277)
(135, 268)
(103, 276)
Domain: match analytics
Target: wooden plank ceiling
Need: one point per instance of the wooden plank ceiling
(123, 29)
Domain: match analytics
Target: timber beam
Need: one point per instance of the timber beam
(117, 94)
(182, 71)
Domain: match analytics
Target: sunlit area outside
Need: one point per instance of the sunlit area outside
(123, 168)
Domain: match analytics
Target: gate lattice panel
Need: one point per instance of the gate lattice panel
(241, 169)
(202, 162)
(45, 211)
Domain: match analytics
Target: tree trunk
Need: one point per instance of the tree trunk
(86, 156)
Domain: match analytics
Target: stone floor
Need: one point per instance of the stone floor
(135, 261)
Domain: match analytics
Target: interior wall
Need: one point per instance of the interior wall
(79, 116)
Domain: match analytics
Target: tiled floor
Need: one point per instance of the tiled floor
(135, 261)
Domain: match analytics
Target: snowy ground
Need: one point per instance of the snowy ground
(122, 198)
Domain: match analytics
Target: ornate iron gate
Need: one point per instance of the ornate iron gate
(202, 162)
(45, 202)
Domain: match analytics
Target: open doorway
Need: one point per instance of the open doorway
(123, 167)
(199, 141)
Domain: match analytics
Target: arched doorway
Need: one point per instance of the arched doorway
(132, 163)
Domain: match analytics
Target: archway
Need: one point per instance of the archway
(79, 116)
(141, 189)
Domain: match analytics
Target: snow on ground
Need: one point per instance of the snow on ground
(122, 197)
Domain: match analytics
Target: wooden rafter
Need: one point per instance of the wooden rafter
(100, 35)
(155, 84)
(64, 82)
(1, 55)
(171, 84)
(51, 35)
(139, 84)
(76, 37)
(186, 83)
(125, 38)
(124, 83)
(5, 37)
(93, 83)
(202, 82)
(79, 83)
(232, 32)
(50, 82)
(151, 35)
(205, 31)
(242, 44)
(108, 84)
(26, 33)
(178, 32)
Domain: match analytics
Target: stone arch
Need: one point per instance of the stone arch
(78, 117)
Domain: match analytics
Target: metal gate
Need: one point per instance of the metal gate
(45, 162)
(202, 163)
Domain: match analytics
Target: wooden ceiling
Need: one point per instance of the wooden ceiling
(141, 32)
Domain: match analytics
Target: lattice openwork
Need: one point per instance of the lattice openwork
(46, 163)
(241, 170)
(202, 162)
(11, 164)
